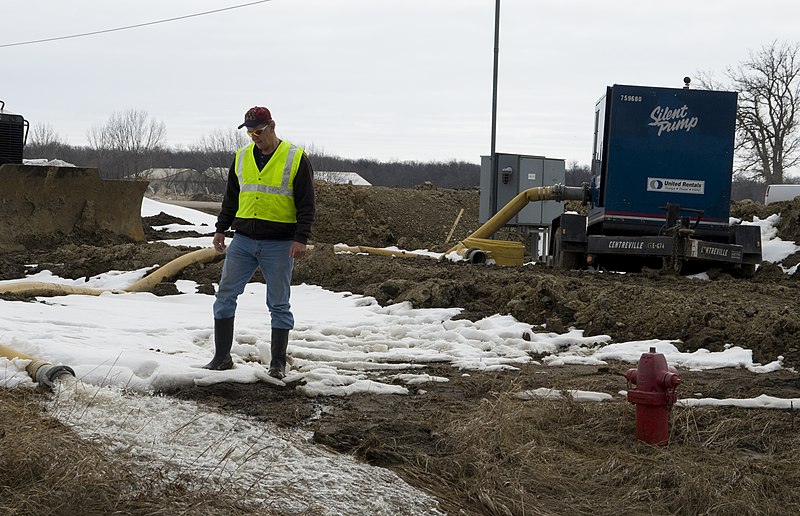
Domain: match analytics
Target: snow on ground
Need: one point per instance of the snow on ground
(272, 467)
(773, 249)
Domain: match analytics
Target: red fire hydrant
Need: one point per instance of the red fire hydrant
(654, 396)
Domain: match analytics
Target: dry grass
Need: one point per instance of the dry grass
(46, 469)
(501, 457)
(552, 457)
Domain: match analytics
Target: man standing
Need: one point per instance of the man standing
(269, 203)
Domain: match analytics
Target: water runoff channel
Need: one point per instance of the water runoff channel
(266, 466)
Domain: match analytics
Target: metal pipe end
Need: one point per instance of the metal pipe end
(48, 374)
(475, 255)
(571, 193)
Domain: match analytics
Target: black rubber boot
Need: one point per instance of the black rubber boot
(277, 365)
(223, 340)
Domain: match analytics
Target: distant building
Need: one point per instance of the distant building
(166, 182)
(341, 178)
(44, 162)
(217, 173)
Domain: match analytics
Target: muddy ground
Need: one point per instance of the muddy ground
(406, 432)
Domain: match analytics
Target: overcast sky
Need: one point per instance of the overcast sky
(383, 79)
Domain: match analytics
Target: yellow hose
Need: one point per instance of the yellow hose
(45, 373)
(477, 247)
(378, 251)
(503, 252)
(173, 268)
(40, 288)
(37, 288)
(556, 192)
(40, 371)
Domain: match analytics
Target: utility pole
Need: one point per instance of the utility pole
(494, 102)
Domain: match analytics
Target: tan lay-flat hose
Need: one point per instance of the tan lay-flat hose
(489, 228)
(48, 374)
(147, 283)
(40, 371)
(378, 251)
(38, 288)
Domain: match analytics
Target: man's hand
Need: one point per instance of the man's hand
(219, 242)
(297, 250)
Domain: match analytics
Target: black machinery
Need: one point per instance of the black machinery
(13, 135)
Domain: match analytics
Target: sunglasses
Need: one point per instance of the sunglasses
(257, 132)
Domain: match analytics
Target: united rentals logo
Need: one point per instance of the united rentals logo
(668, 120)
(663, 184)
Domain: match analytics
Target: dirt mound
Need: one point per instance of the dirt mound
(45, 206)
(409, 218)
(84, 261)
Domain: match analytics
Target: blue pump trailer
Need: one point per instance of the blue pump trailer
(661, 182)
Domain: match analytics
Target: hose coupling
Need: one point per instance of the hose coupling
(48, 374)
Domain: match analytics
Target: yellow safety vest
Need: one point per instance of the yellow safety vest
(267, 194)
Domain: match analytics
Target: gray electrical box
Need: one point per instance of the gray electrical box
(517, 173)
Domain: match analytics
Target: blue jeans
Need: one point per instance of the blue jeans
(244, 256)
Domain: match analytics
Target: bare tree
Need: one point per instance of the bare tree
(127, 143)
(44, 142)
(576, 174)
(222, 142)
(214, 153)
(767, 139)
(43, 135)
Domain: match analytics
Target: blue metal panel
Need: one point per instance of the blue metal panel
(666, 145)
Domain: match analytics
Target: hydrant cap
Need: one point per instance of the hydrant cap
(671, 380)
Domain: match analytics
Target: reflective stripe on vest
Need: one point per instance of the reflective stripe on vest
(267, 194)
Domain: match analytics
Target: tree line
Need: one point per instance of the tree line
(118, 163)
(767, 140)
(212, 155)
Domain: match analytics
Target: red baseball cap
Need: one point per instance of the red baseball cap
(256, 116)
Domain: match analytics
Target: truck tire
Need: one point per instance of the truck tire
(744, 271)
(564, 259)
